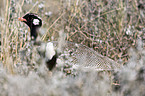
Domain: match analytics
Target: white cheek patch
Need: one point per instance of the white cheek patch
(36, 22)
(50, 51)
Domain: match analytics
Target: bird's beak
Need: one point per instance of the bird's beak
(22, 19)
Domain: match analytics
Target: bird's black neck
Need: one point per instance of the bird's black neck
(34, 32)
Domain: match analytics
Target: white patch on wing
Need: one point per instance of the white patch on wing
(50, 51)
(36, 22)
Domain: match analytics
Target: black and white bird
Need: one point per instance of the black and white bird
(80, 54)
(34, 22)
(49, 53)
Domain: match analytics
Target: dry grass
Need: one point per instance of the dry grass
(110, 27)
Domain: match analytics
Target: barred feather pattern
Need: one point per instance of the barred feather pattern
(87, 57)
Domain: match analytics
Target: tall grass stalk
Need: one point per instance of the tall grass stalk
(10, 42)
(5, 41)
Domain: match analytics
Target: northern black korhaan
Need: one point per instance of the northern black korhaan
(80, 54)
(34, 22)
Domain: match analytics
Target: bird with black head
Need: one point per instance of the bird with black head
(34, 22)
(80, 54)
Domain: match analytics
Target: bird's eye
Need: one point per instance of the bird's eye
(36, 21)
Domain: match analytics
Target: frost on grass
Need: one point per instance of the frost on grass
(66, 80)
(132, 75)
(41, 82)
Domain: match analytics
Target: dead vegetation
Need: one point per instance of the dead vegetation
(111, 27)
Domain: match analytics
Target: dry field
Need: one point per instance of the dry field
(113, 28)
